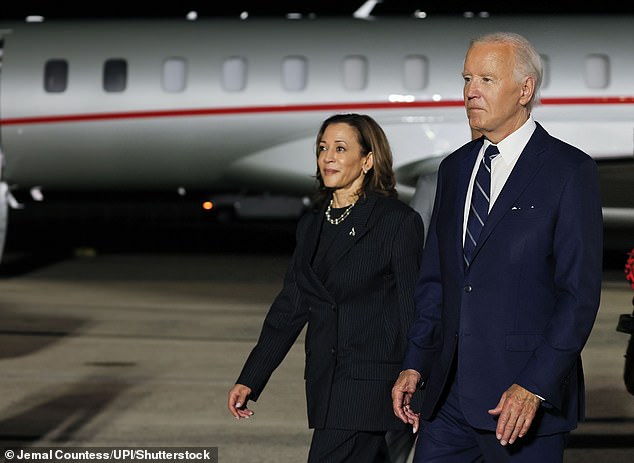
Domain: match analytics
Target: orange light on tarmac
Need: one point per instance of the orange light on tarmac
(208, 205)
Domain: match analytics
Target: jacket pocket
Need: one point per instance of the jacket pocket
(529, 212)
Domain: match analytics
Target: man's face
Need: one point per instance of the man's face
(494, 100)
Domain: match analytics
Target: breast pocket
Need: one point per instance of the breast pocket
(528, 212)
(528, 232)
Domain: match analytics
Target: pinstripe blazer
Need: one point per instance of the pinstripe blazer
(357, 317)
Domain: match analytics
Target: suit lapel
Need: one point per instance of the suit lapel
(311, 238)
(352, 231)
(528, 164)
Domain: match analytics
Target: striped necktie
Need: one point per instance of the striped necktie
(479, 203)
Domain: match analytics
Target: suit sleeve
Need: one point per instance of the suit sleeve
(407, 251)
(577, 256)
(424, 335)
(282, 325)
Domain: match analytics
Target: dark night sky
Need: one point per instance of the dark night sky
(19, 9)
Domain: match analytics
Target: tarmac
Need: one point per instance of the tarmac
(139, 350)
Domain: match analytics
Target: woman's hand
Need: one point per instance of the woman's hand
(237, 403)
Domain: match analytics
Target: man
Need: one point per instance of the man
(510, 283)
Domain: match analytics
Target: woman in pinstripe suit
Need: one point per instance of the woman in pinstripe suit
(351, 279)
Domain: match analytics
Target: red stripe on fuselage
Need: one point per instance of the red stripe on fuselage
(288, 108)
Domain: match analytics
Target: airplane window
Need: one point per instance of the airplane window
(56, 75)
(355, 72)
(415, 72)
(234, 74)
(597, 71)
(545, 71)
(115, 75)
(294, 73)
(174, 75)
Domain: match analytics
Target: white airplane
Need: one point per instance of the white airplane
(229, 108)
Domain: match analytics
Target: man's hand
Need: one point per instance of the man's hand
(237, 403)
(516, 411)
(402, 392)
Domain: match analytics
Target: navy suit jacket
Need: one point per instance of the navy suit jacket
(357, 316)
(523, 310)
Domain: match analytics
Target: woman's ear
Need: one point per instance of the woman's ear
(369, 162)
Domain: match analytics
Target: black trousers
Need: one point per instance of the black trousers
(343, 446)
(360, 447)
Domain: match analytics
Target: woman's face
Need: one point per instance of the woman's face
(341, 162)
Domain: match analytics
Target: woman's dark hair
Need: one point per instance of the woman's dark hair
(380, 179)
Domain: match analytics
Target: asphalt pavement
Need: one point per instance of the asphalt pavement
(139, 350)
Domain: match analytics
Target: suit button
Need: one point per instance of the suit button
(333, 351)
(334, 308)
(310, 309)
(468, 288)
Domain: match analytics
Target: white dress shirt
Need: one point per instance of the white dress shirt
(510, 149)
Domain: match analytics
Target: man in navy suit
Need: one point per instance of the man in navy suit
(510, 283)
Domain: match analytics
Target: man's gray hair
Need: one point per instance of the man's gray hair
(528, 62)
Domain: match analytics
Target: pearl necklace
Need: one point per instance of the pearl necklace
(339, 219)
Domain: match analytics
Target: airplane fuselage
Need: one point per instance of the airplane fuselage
(246, 97)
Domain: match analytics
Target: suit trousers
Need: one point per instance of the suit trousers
(345, 446)
(448, 438)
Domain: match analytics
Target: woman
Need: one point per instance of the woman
(351, 278)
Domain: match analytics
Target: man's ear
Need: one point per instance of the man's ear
(528, 90)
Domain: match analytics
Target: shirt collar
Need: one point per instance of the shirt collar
(512, 146)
